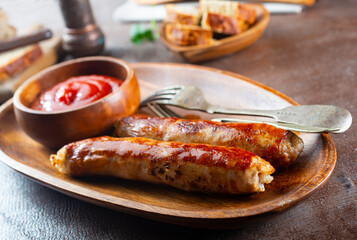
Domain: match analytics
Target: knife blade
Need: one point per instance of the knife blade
(131, 11)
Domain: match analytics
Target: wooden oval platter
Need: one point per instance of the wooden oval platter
(222, 47)
(166, 204)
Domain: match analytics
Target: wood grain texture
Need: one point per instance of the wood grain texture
(310, 171)
(310, 57)
(222, 47)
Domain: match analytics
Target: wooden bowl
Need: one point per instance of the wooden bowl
(54, 129)
(219, 48)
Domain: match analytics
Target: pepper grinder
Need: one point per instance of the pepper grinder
(81, 36)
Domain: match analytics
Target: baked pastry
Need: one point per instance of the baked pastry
(221, 18)
(182, 14)
(246, 13)
(17, 60)
(223, 24)
(229, 8)
(187, 166)
(186, 35)
(226, 17)
(6, 31)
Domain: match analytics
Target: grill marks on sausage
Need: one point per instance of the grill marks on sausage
(161, 152)
(188, 166)
(271, 143)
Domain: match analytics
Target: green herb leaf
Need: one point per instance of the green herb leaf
(138, 34)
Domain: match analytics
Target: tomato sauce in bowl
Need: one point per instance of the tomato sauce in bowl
(76, 92)
(78, 108)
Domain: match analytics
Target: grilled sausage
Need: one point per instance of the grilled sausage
(277, 146)
(191, 167)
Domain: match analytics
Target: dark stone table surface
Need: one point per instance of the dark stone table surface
(311, 57)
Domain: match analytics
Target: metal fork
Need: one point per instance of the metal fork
(163, 111)
(304, 118)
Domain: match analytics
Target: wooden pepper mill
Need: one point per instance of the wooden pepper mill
(81, 37)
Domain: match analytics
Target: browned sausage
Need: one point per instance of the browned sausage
(188, 166)
(277, 146)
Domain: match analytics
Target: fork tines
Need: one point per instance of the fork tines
(162, 110)
(162, 96)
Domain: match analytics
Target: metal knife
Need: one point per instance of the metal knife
(131, 11)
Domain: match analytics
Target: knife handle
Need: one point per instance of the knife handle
(25, 40)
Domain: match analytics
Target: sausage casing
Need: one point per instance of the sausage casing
(191, 167)
(277, 146)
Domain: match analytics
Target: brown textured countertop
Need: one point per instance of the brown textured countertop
(310, 57)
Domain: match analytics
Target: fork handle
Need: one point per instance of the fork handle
(282, 125)
(251, 112)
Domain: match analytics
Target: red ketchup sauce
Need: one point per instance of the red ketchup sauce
(76, 92)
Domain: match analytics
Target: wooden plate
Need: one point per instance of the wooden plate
(311, 170)
(222, 47)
